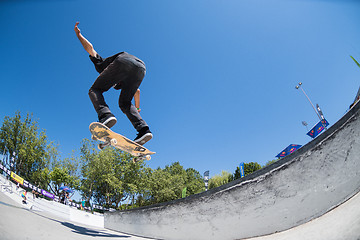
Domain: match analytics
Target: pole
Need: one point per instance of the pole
(317, 113)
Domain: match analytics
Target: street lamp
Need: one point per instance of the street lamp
(317, 113)
(305, 124)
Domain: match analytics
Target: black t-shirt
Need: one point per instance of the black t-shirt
(100, 63)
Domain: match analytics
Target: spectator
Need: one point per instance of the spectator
(62, 197)
(82, 204)
(23, 195)
(67, 198)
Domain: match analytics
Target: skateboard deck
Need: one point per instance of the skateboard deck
(102, 133)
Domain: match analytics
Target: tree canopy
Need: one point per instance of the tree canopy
(108, 177)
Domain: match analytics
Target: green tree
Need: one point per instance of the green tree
(194, 182)
(166, 184)
(219, 180)
(99, 179)
(162, 185)
(109, 176)
(26, 147)
(270, 162)
(237, 173)
(248, 169)
(64, 172)
(251, 167)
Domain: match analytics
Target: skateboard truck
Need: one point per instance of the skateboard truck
(141, 158)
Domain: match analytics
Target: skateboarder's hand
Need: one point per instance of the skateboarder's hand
(85, 43)
(76, 29)
(138, 109)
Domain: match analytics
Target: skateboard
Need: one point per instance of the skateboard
(102, 133)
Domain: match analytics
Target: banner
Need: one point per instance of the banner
(318, 128)
(47, 194)
(27, 184)
(7, 171)
(17, 178)
(183, 193)
(290, 149)
(242, 170)
(206, 180)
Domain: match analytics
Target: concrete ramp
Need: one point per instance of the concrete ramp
(293, 192)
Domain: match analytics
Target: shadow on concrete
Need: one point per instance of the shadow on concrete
(84, 230)
(90, 232)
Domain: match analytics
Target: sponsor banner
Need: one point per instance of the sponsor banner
(38, 190)
(26, 184)
(318, 128)
(98, 207)
(17, 178)
(32, 187)
(290, 149)
(47, 194)
(242, 170)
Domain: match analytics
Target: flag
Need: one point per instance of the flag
(206, 179)
(184, 192)
(290, 149)
(318, 128)
(242, 170)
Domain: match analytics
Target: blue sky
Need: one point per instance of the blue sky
(221, 75)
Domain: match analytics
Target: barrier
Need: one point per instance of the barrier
(66, 212)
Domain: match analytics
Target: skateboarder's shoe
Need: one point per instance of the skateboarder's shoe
(108, 120)
(143, 136)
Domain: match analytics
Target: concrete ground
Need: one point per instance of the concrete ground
(18, 223)
(342, 223)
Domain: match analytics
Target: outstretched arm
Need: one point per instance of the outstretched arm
(137, 100)
(85, 43)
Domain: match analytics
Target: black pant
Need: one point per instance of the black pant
(126, 72)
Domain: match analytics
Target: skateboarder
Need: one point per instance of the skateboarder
(121, 71)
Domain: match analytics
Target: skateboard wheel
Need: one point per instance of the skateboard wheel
(148, 157)
(113, 142)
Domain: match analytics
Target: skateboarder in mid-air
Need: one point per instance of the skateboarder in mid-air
(121, 71)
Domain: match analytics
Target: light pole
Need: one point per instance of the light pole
(317, 113)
